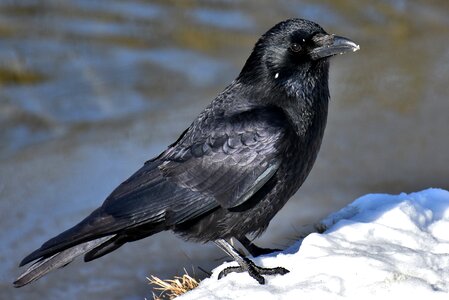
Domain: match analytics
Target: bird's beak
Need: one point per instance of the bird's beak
(329, 44)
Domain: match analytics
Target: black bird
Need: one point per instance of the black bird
(232, 170)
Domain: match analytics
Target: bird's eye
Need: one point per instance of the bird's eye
(295, 47)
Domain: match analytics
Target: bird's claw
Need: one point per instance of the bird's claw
(254, 271)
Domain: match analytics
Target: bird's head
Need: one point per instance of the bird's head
(292, 52)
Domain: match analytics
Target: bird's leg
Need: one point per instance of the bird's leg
(253, 249)
(246, 265)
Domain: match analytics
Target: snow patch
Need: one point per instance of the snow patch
(380, 245)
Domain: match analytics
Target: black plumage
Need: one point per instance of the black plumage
(232, 170)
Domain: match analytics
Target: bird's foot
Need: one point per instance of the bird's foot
(254, 271)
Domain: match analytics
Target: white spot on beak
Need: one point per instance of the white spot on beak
(355, 47)
(276, 75)
(304, 40)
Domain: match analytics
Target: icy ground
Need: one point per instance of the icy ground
(380, 246)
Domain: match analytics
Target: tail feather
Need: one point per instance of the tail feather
(105, 248)
(91, 228)
(58, 260)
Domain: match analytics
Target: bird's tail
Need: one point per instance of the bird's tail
(58, 260)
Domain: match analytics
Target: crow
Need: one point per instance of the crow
(231, 170)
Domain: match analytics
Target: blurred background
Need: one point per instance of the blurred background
(91, 89)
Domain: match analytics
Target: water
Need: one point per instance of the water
(89, 90)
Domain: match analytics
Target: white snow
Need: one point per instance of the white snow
(380, 246)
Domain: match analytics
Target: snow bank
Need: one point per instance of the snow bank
(380, 246)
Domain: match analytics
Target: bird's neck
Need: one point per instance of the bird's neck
(304, 101)
(308, 115)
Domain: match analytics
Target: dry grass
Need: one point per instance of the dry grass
(172, 288)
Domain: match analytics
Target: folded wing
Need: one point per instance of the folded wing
(222, 166)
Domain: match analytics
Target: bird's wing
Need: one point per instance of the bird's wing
(224, 165)
(232, 160)
(148, 197)
(209, 166)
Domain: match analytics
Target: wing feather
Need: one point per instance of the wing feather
(231, 161)
(207, 168)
